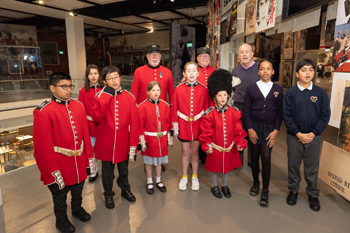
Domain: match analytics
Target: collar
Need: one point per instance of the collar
(95, 86)
(153, 67)
(119, 91)
(246, 68)
(192, 85)
(60, 101)
(221, 110)
(203, 67)
(265, 84)
(303, 88)
(153, 101)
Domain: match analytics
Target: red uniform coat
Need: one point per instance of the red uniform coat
(116, 113)
(204, 74)
(222, 127)
(144, 75)
(86, 98)
(149, 118)
(190, 100)
(62, 124)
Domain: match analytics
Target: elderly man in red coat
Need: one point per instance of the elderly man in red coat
(205, 70)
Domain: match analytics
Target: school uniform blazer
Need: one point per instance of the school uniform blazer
(61, 123)
(204, 73)
(222, 127)
(145, 74)
(190, 100)
(86, 98)
(116, 111)
(151, 114)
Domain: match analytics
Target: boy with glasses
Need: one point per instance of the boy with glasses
(62, 149)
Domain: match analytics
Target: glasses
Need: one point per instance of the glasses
(112, 78)
(65, 87)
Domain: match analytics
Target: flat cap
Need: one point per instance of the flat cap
(153, 48)
(203, 50)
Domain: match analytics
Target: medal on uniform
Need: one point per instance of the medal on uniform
(160, 75)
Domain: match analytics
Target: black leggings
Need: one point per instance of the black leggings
(265, 152)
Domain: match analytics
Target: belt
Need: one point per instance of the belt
(89, 118)
(156, 134)
(186, 118)
(222, 149)
(69, 152)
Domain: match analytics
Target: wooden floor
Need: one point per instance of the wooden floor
(28, 205)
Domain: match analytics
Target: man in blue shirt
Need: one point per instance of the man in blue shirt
(306, 114)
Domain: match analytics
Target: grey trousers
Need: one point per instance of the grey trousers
(309, 154)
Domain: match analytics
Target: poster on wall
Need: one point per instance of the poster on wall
(265, 14)
(343, 12)
(299, 41)
(334, 169)
(288, 45)
(232, 21)
(287, 74)
(224, 30)
(250, 14)
(337, 98)
(344, 129)
(329, 37)
(183, 41)
(341, 50)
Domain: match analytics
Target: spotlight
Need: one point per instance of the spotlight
(71, 13)
(41, 2)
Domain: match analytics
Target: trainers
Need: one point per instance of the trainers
(183, 184)
(195, 184)
(254, 190)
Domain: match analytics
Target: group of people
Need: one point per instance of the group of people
(111, 124)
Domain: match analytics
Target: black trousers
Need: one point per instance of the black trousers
(108, 176)
(60, 200)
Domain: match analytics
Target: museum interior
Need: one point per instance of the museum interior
(38, 38)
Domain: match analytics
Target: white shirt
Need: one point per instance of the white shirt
(264, 87)
(303, 88)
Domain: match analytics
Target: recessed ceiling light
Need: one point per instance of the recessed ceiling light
(41, 2)
(71, 13)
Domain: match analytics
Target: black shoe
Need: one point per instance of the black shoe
(292, 198)
(226, 191)
(82, 215)
(254, 190)
(149, 189)
(65, 226)
(314, 203)
(92, 179)
(128, 196)
(264, 199)
(216, 192)
(163, 168)
(109, 203)
(161, 188)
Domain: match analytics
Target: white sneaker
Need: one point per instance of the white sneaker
(183, 184)
(195, 183)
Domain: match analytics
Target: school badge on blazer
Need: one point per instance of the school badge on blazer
(276, 93)
(313, 99)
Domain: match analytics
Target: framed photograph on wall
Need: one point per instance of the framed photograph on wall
(15, 66)
(287, 74)
(49, 53)
(288, 45)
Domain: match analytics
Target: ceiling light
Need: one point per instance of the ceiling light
(150, 30)
(41, 2)
(172, 0)
(71, 13)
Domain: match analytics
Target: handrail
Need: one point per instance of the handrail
(16, 108)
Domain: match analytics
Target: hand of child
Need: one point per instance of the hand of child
(210, 151)
(253, 137)
(272, 138)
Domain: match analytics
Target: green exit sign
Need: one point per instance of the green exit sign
(60, 52)
(189, 45)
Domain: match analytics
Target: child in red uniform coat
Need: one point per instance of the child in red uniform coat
(221, 135)
(92, 86)
(117, 137)
(154, 118)
(190, 101)
(62, 149)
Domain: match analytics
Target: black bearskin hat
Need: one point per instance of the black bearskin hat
(219, 80)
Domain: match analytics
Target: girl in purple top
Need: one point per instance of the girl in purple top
(262, 114)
